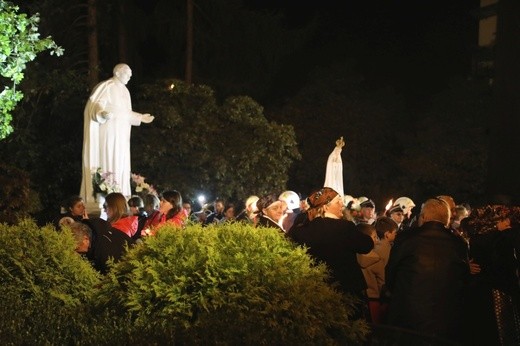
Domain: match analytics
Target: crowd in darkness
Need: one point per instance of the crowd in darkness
(440, 269)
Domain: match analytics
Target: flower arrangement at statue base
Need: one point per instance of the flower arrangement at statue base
(140, 187)
(103, 183)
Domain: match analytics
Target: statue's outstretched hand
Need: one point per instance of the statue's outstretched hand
(147, 118)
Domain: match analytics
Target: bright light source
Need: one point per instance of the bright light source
(201, 199)
(171, 86)
(388, 205)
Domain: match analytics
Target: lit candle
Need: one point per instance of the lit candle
(388, 205)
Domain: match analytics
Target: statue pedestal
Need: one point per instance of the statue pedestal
(95, 207)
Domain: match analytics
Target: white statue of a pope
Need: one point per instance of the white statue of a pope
(108, 120)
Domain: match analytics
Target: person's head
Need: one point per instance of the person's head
(229, 211)
(369, 230)
(406, 205)
(270, 206)
(115, 206)
(460, 212)
(186, 204)
(218, 206)
(435, 209)
(323, 201)
(396, 214)
(386, 228)
(82, 235)
(451, 204)
(136, 204)
(122, 72)
(75, 206)
(251, 204)
(151, 203)
(368, 208)
(171, 203)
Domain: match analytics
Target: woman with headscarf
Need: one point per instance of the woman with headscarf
(271, 212)
(335, 242)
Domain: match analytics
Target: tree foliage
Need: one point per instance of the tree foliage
(20, 42)
(198, 145)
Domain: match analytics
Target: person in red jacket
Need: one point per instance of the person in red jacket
(170, 210)
(118, 214)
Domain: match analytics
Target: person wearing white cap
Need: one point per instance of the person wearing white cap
(249, 214)
(367, 212)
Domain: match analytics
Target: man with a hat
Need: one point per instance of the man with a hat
(367, 213)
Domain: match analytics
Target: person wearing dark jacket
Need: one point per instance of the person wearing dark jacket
(335, 242)
(106, 243)
(426, 276)
(493, 297)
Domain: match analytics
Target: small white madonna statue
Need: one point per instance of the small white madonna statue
(334, 171)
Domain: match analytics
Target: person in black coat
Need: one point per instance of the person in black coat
(106, 242)
(493, 297)
(335, 242)
(426, 274)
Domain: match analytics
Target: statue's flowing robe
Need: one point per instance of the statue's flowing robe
(334, 171)
(106, 143)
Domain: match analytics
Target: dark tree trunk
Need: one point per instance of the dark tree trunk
(93, 53)
(121, 33)
(189, 41)
(504, 166)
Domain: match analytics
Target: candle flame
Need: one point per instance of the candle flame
(389, 204)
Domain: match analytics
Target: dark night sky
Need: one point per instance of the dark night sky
(416, 46)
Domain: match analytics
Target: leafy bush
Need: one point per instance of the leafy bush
(44, 284)
(226, 284)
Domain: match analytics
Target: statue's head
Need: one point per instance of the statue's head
(122, 72)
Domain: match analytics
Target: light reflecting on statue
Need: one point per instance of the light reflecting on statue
(108, 120)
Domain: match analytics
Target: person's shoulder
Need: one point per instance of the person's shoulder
(97, 224)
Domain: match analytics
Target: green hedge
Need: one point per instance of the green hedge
(45, 286)
(230, 284)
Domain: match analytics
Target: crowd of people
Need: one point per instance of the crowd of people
(440, 269)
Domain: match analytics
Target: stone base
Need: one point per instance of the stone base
(95, 207)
